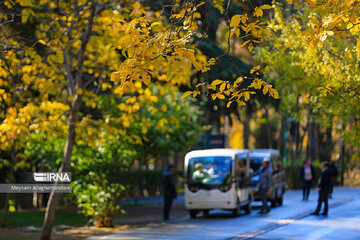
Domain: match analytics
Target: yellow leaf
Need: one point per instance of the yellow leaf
(239, 80)
(266, 6)
(138, 85)
(241, 103)
(311, 2)
(24, 16)
(222, 87)
(274, 93)
(79, 91)
(186, 94)
(258, 12)
(235, 21)
(244, 43)
(216, 82)
(250, 47)
(200, 4)
(146, 79)
(228, 104)
(221, 96)
(147, 92)
(236, 32)
(246, 96)
(254, 69)
(195, 93)
(137, 5)
(113, 76)
(290, 1)
(42, 42)
(163, 108)
(265, 90)
(155, 24)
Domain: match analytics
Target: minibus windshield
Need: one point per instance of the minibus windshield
(210, 171)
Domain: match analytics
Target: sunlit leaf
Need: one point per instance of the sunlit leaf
(186, 94)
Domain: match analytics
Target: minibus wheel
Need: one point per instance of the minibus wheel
(193, 213)
(206, 212)
(247, 207)
(280, 200)
(236, 210)
(274, 200)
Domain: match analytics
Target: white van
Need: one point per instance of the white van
(217, 179)
(278, 183)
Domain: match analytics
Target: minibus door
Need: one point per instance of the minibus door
(242, 179)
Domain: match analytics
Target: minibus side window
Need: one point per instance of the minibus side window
(241, 173)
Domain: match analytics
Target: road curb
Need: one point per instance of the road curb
(283, 222)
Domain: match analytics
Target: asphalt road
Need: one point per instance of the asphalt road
(290, 221)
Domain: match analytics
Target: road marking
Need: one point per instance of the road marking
(283, 222)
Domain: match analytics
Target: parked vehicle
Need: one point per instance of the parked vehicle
(278, 184)
(217, 179)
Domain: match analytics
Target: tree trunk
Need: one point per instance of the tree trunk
(297, 140)
(6, 209)
(246, 132)
(269, 134)
(304, 129)
(35, 200)
(342, 157)
(313, 142)
(65, 167)
(73, 116)
(329, 142)
(281, 137)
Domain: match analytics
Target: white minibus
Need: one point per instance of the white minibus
(217, 179)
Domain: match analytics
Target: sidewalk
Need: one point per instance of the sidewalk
(150, 209)
(151, 200)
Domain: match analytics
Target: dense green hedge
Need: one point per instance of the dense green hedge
(141, 183)
(293, 175)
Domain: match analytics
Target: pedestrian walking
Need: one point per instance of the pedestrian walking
(307, 175)
(324, 189)
(169, 190)
(334, 174)
(265, 178)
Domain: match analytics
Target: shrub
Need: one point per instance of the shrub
(293, 174)
(98, 198)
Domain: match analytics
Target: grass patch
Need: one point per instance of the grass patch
(180, 190)
(35, 218)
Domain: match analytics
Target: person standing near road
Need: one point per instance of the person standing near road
(307, 175)
(334, 174)
(323, 189)
(265, 178)
(169, 189)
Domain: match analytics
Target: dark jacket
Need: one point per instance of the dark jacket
(333, 170)
(302, 173)
(265, 177)
(168, 182)
(325, 179)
